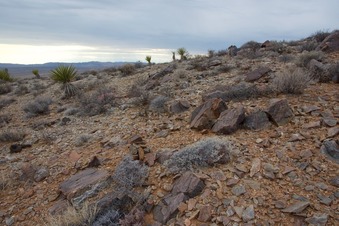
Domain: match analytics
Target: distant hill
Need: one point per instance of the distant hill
(24, 70)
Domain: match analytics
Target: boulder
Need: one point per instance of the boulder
(229, 120)
(256, 74)
(204, 116)
(257, 121)
(330, 148)
(189, 184)
(279, 112)
(179, 106)
(82, 181)
(330, 43)
(232, 51)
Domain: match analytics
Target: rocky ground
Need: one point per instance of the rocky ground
(222, 163)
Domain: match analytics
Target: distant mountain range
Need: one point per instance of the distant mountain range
(24, 70)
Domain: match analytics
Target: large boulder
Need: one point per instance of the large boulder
(279, 112)
(257, 121)
(204, 116)
(256, 74)
(229, 120)
(330, 43)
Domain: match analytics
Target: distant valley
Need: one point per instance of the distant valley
(25, 70)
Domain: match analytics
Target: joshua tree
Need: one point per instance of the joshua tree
(65, 74)
(4, 75)
(173, 56)
(36, 73)
(148, 59)
(183, 53)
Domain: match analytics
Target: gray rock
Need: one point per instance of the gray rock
(204, 116)
(238, 190)
(41, 174)
(324, 199)
(82, 181)
(297, 207)
(179, 106)
(205, 213)
(257, 121)
(331, 149)
(256, 74)
(189, 184)
(248, 214)
(229, 120)
(256, 165)
(330, 43)
(168, 208)
(330, 121)
(331, 132)
(308, 109)
(10, 221)
(319, 219)
(335, 181)
(279, 112)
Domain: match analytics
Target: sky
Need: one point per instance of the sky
(40, 31)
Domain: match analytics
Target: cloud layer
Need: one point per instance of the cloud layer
(158, 26)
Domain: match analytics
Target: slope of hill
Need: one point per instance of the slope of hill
(241, 137)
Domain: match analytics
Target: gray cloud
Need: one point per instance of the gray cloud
(198, 25)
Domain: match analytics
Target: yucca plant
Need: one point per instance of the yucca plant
(4, 75)
(65, 75)
(36, 73)
(148, 59)
(183, 53)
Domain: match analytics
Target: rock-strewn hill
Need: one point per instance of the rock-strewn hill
(245, 138)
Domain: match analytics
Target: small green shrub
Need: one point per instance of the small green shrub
(4, 75)
(293, 81)
(37, 107)
(36, 73)
(148, 59)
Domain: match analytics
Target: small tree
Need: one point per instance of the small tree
(148, 59)
(183, 53)
(65, 74)
(4, 75)
(36, 73)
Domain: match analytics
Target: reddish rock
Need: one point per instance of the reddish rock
(256, 74)
(59, 207)
(296, 207)
(205, 213)
(82, 181)
(257, 121)
(135, 139)
(229, 120)
(330, 43)
(279, 112)
(189, 184)
(204, 116)
(168, 208)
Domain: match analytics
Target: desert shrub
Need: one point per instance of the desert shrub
(110, 70)
(21, 90)
(4, 119)
(82, 140)
(4, 75)
(285, 58)
(141, 96)
(148, 59)
(292, 80)
(276, 46)
(65, 75)
(39, 106)
(319, 36)
(5, 102)
(308, 46)
(127, 69)
(252, 45)
(135, 218)
(130, 173)
(222, 52)
(238, 92)
(305, 57)
(206, 152)
(97, 102)
(5, 88)
(224, 68)
(211, 53)
(158, 104)
(11, 136)
(71, 111)
(73, 217)
(36, 73)
(139, 64)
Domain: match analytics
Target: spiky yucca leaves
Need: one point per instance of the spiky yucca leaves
(148, 59)
(65, 75)
(183, 53)
(4, 75)
(36, 73)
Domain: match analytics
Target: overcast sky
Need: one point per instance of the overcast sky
(38, 31)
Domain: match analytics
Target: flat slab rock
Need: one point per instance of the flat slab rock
(256, 74)
(82, 181)
(229, 120)
(279, 112)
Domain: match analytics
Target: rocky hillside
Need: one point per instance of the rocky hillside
(244, 136)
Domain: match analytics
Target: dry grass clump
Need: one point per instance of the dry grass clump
(306, 57)
(158, 104)
(37, 107)
(127, 69)
(5, 88)
(4, 119)
(11, 136)
(5, 102)
(292, 81)
(74, 217)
